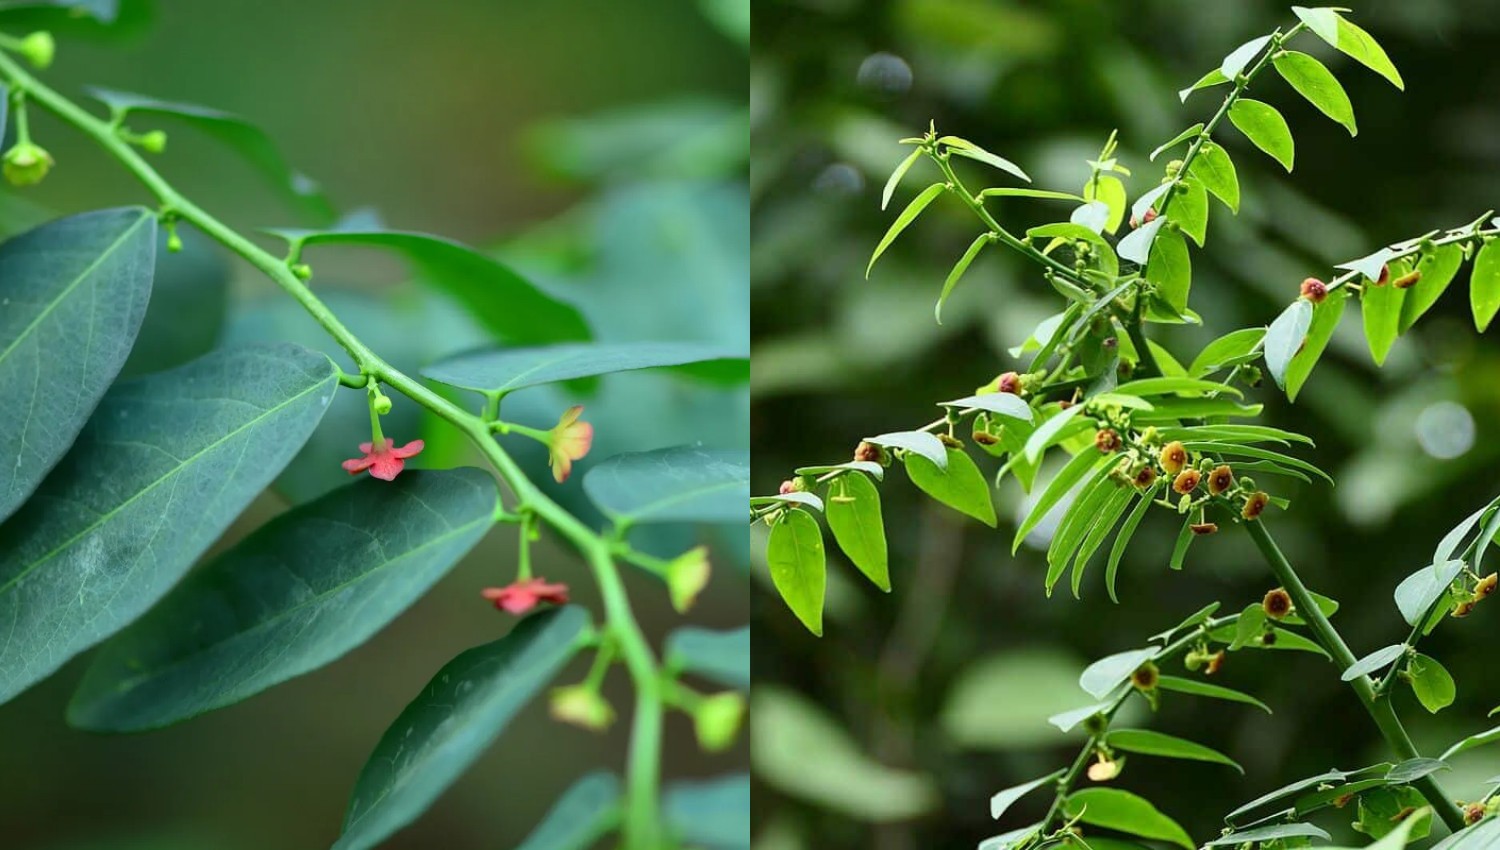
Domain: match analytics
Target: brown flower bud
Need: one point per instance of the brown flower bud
(1314, 290)
(1145, 677)
(1009, 382)
(1277, 604)
(1407, 280)
(1202, 528)
(1220, 479)
(985, 438)
(1215, 662)
(1108, 440)
(1474, 813)
(868, 452)
(1186, 481)
(788, 486)
(1486, 586)
(1146, 477)
(1173, 457)
(1255, 504)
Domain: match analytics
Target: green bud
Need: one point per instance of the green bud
(38, 48)
(154, 141)
(174, 242)
(302, 270)
(382, 404)
(582, 706)
(26, 164)
(687, 575)
(717, 719)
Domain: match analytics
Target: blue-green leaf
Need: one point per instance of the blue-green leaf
(681, 484)
(1377, 660)
(722, 657)
(713, 814)
(586, 812)
(509, 369)
(300, 592)
(1284, 338)
(1109, 672)
(75, 292)
(453, 721)
(163, 467)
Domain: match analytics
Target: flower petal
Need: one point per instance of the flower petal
(411, 449)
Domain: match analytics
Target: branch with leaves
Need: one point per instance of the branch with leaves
(116, 488)
(1139, 429)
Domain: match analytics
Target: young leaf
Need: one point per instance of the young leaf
(1112, 808)
(1264, 126)
(1177, 140)
(279, 604)
(1122, 541)
(1325, 320)
(1484, 285)
(1023, 192)
(1147, 742)
(585, 813)
(1431, 682)
(868, 467)
(712, 813)
(966, 148)
(722, 657)
(1237, 60)
(1437, 268)
(1002, 800)
(958, 272)
(1285, 336)
(1381, 309)
(853, 513)
(1111, 671)
(794, 554)
(87, 277)
(1315, 82)
(895, 178)
(796, 497)
(916, 442)
(91, 551)
(1350, 40)
(1170, 268)
(960, 485)
(1377, 660)
(1204, 689)
(1227, 351)
(453, 720)
(1214, 167)
(248, 140)
(1109, 189)
(506, 370)
(680, 484)
(906, 217)
(504, 302)
(1418, 592)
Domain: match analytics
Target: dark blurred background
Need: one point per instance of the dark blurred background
(893, 730)
(600, 147)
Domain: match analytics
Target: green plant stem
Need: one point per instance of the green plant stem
(1380, 708)
(642, 829)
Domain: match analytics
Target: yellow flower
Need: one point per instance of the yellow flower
(568, 441)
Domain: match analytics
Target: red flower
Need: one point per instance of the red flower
(567, 442)
(524, 595)
(384, 463)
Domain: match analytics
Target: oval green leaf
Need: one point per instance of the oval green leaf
(1264, 126)
(1314, 81)
(853, 512)
(1147, 742)
(1484, 285)
(1437, 268)
(798, 565)
(680, 484)
(1432, 683)
(1214, 167)
(960, 486)
(1350, 40)
(1381, 309)
(1104, 675)
(1123, 811)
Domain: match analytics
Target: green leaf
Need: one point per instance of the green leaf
(1118, 499)
(895, 178)
(1286, 791)
(1285, 336)
(1177, 140)
(504, 302)
(679, 484)
(1240, 57)
(960, 486)
(1135, 246)
(585, 813)
(1185, 538)
(1050, 431)
(1094, 215)
(278, 604)
(164, 466)
(906, 217)
(509, 369)
(1227, 351)
(1204, 689)
(1431, 682)
(1171, 268)
(1471, 742)
(248, 140)
(1004, 799)
(1212, 78)
(1315, 82)
(853, 512)
(1190, 210)
(1147, 742)
(1122, 541)
(868, 467)
(1375, 661)
(1264, 126)
(1123, 811)
(1077, 522)
(1003, 404)
(1418, 592)
(1111, 671)
(1109, 189)
(1349, 39)
(1437, 268)
(958, 272)
(713, 813)
(1381, 309)
(966, 148)
(453, 720)
(1270, 833)
(1085, 462)
(1147, 387)
(1484, 285)
(1214, 167)
(722, 657)
(191, 282)
(1104, 253)
(1023, 192)
(916, 442)
(1325, 320)
(794, 554)
(76, 291)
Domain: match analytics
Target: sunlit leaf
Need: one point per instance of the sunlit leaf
(1113, 808)
(1325, 320)
(1263, 125)
(798, 565)
(958, 272)
(853, 512)
(1214, 167)
(959, 485)
(1484, 285)
(1351, 40)
(1285, 336)
(1315, 82)
(1147, 742)
(906, 217)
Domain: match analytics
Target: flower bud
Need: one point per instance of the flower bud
(1220, 479)
(950, 441)
(382, 404)
(26, 164)
(302, 270)
(687, 575)
(1186, 481)
(154, 141)
(1474, 813)
(1385, 275)
(717, 719)
(1173, 458)
(582, 706)
(1108, 440)
(1277, 604)
(869, 452)
(1255, 504)
(985, 438)
(1204, 528)
(1105, 769)
(1174, 167)
(174, 242)
(1145, 677)
(1150, 436)
(787, 486)
(38, 48)
(1009, 382)
(1314, 290)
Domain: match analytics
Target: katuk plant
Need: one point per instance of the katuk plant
(110, 492)
(1141, 431)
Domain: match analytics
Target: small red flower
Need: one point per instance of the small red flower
(385, 462)
(524, 595)
(569, 441)
(1314, 290)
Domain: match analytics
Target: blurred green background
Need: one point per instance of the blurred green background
(598, 146)
(892, 731)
